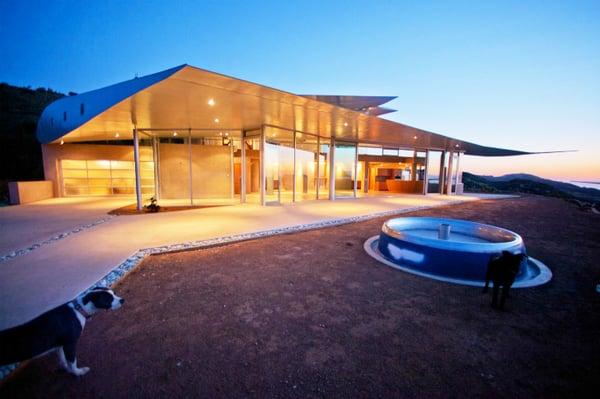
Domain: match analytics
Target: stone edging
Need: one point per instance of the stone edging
(134, 260)
(53, 239)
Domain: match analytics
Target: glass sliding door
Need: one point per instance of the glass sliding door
(279, 165)
(345, 161)
(252, 165)
(212, 166)
(307, 164)
(433, 172)
(323, 180)
(174, 167)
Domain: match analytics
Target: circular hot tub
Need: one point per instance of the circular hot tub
(452, 250)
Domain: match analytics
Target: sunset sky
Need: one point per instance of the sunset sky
(522, 74)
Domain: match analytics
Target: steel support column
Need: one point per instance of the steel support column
(442, 176)
(138, 179)
(243, 170)
(332, 170)
(262, 166)
(449, 174)
(426, 174)
(355, 185)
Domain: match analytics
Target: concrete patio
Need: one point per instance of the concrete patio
(56, 272)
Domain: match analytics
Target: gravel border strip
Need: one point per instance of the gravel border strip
(119, 272)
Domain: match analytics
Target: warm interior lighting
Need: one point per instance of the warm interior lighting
(458, 145)
(174, 133)
(216, 120)
(415, 137)
(226, 133)
(211, 102)
(116, 134)
(345, 123)
(62, 142)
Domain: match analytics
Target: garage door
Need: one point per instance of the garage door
(104, 177)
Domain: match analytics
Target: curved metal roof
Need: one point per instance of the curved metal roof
(178, 98)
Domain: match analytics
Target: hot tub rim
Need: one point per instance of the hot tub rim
(476, 247)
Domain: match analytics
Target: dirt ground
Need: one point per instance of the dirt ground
(312, 315)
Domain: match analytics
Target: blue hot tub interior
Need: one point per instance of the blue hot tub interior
(414, 244)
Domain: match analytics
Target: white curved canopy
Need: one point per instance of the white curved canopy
(178, 99)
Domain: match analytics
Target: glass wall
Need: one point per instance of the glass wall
(212, 166)
(307, 164)
(324, 166)
(174, 167)
(345, 161)
(252, 156)
(433, 171)
(105, 177)
(279, 165)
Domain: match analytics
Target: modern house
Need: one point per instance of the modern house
(190, 136)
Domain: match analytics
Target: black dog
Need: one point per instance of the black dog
(502, 271)
(57, 330)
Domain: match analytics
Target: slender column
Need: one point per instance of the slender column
(332, 170)
(136, 159)
(243, 169)
(442, 175)
(155, 158)
(414, 167)
(426, 174)
(355, 185)
(231, 168)
(262, 165)
(366, 176)
(294, 170)
(458, 173)
(449, 174)
(190, 166)
(318, 179)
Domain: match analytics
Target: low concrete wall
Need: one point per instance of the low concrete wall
(24, 192)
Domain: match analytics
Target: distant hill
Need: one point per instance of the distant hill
(530, 184)
(20, 153)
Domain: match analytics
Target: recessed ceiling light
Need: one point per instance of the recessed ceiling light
(116, 134)
(216, 120)
(415, 137)
(226, 133)
(220, 133)
(458, 145)
(345, 123)
(62, 142)
(211, 102)
(174, 133)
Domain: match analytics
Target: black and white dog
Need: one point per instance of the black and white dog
(502, 271)
(57, 330)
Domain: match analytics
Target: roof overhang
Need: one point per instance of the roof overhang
(178, 99)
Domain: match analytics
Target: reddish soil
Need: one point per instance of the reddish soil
(312, 315)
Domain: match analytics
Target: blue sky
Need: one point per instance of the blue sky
(523, 74)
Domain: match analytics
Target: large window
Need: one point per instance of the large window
(433, 171)
(345, 161)
(324, 166)
(105, 177)
(307, 164)
(279, 165)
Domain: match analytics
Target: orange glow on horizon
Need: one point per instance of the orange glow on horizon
(582, 165)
